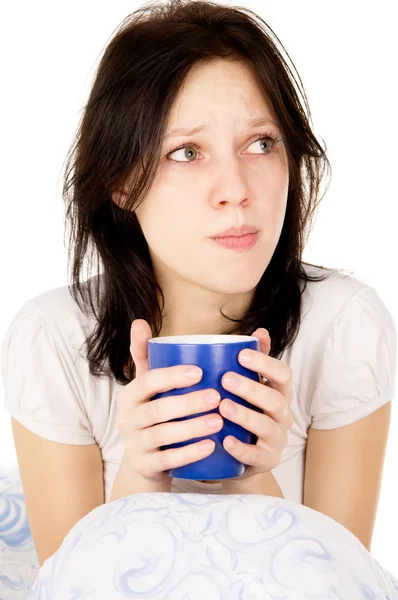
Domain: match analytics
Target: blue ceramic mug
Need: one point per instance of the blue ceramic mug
(215, 355)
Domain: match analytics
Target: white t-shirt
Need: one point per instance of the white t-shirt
(343, 363)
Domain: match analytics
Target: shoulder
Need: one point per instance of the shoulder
(57, 311)
(46, 377)
(325, 303)
(325, 299)
(353, 366)
(49, 328)
(339, 305)
(344, 354)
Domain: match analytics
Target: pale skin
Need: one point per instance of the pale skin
(231, 179)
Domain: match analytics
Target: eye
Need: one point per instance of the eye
(191, 148)
(270, 140)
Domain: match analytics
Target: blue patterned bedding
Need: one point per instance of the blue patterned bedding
(19, 564)
(190, 547)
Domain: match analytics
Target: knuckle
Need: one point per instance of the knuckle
(273, 428)
(287, 374)
(146, 438)
(154, 435)
(256, 459)
(144, 381)
(154, 410)
(251, 386)
(244, 415)
(163, 460)
(279, 402)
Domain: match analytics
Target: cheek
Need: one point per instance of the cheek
(168, 225)
(275, 209)
(279, 214)
(274, 190)
(280, 190)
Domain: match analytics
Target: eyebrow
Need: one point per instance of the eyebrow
(185, 131)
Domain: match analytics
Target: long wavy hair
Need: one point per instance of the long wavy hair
(120, 134)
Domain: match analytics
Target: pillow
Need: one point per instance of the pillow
(19, 563)
(164, 546)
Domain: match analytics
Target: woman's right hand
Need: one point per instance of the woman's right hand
(144, 423)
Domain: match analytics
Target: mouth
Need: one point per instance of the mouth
(242, 242)
(236, 231)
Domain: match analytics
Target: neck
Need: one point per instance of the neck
(189, 320)
(196, 311)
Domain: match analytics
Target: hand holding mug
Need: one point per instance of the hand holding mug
(273, 398)
(146, 426)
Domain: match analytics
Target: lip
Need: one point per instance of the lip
(239, 243)
(235, 231)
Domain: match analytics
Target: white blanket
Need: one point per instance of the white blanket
(206, 547)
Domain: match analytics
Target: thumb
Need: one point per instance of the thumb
(264, 338)
(140, 333)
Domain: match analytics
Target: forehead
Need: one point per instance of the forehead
(220, 87)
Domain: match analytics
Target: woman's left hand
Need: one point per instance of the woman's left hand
(273, 397)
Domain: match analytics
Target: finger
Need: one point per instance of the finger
(164, 379)
(261, 425)
(164, 460)
(150, 383)
(261, 459)
(264, 339)
(175, 432)
(140, 333)
(165, 409)
(269, 400)
(278, 373)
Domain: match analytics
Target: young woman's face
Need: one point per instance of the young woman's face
(226, 176)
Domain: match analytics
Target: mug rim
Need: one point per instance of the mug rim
(202, 339)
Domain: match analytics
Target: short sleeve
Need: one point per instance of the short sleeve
(39, 379)
(357, 372)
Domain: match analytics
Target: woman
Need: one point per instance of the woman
(147, 202)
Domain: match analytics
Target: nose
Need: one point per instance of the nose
(230, 185)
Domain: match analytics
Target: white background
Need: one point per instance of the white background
(346, 56)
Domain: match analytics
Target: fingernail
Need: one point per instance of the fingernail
(245, 356)
(211, 398)
(193, 373)
(229, 407)
(231, 380)
(206, 446)
(213, 422)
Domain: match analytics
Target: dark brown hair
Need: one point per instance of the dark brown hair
(120, 134)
